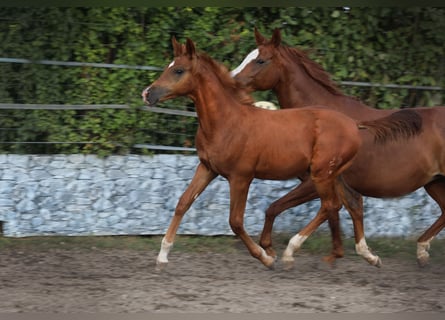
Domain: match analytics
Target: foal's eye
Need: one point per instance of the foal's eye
(260, 61)
(178, 71)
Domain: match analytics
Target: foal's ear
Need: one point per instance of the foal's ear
(276, 38)
(178, 48)
(190, 48)
(259, 38)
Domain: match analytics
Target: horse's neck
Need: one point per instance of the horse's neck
(215, 107)
(298, 93)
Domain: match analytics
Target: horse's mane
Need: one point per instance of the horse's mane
(223, 74)
(313, 69)
(401, 124)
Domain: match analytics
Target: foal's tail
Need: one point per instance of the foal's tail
(401, 124)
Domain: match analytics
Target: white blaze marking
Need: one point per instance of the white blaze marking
(171, 64)
(251, 56)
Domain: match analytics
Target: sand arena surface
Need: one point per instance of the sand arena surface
(58, 280)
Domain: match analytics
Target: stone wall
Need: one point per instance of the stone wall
(135, 195)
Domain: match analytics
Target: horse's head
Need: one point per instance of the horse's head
(176, 79)
(260, 70)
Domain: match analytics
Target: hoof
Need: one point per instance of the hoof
(423, 261)
(288, 263)
(267, 260)
(377, 263)
(330, 259)
(160, 265)
(270, 266)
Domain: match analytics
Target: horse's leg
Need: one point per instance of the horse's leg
(200, 181)
(436, 190)
(330, 205)
(239, 189)
(337, 244)
(353, 202)
(304, 192)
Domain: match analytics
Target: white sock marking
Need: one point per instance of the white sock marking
(362, 250)
(294, 244)
(422, 249)
(165, 249)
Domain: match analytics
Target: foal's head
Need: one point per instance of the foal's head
(177, 78)
(189, 72)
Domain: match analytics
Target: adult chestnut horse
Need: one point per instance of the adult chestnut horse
(241, 142)
(380, 171)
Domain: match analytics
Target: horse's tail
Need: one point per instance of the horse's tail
(401, 124)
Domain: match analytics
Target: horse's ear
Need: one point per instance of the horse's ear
(177, 47)
(276, 38)
(259, 38)
(190, 48)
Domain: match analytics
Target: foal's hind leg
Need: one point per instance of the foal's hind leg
(301, 194)
(304, 192)
(436, 190)
(330, 205)
(200, 181)
(353, 202)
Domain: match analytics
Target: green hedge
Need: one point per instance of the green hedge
(382, 45)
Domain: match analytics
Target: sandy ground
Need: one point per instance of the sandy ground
(118, 280)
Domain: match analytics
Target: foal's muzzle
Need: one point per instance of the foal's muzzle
(152, 94)
(146, 96)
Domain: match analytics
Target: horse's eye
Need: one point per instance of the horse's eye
(178, 71)
(260, 61)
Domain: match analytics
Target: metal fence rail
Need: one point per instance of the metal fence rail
(79, 64)
(154, 68)
(390, 85)
(26, 106)
(20, 106)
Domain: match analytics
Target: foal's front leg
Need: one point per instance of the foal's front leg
(239, 189)
(203, 176)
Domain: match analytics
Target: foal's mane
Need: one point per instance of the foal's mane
(402, 124)
(223, 75)
(312, 68)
